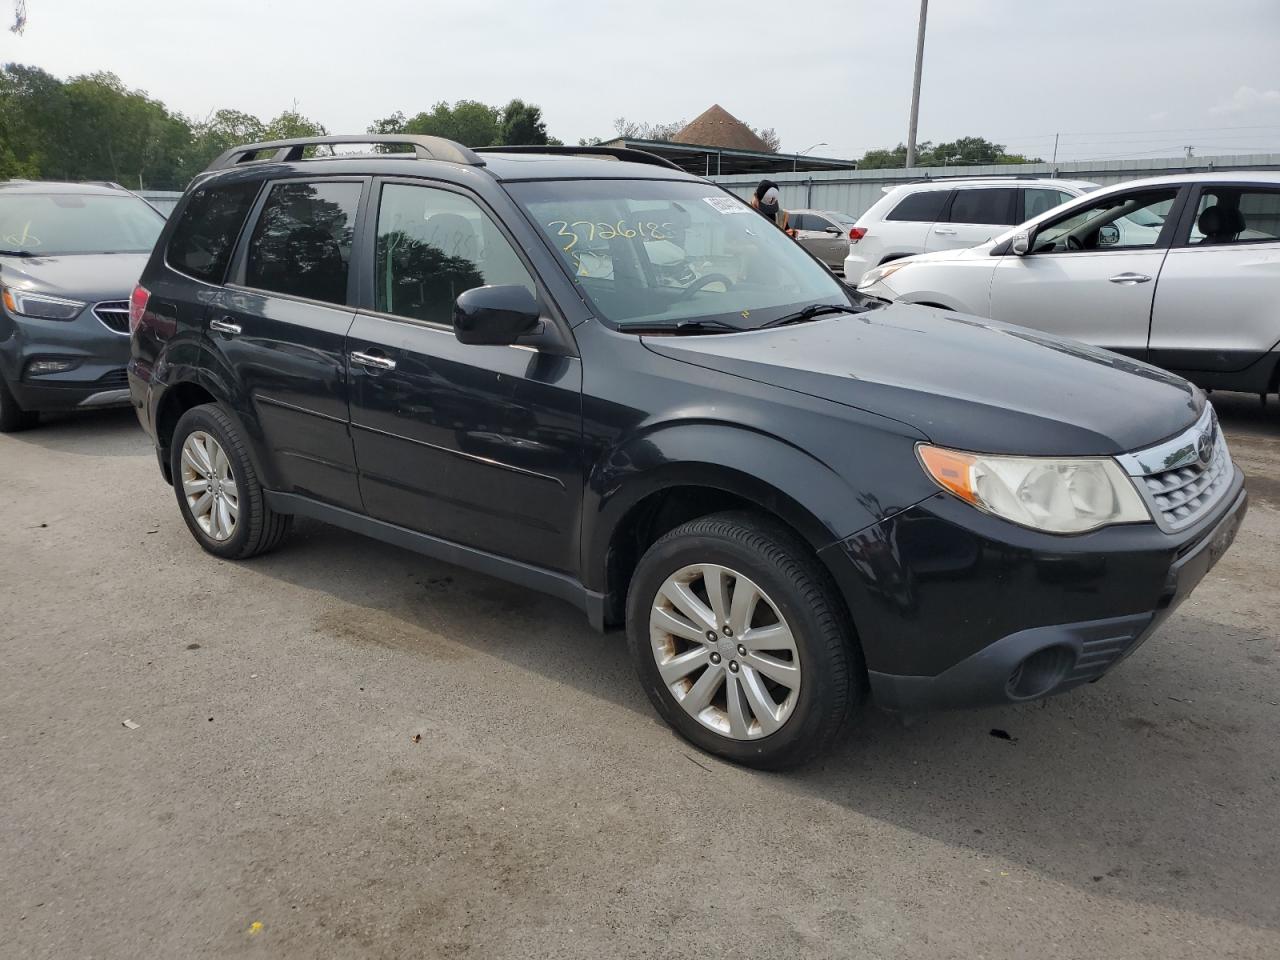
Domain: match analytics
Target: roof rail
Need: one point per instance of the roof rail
(982, 176)
(284, 151)
(628, 154)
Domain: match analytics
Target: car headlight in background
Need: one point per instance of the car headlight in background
(1071, 495)
(880, 273)
(40, 305)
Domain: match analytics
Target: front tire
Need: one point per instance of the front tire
(219, 494)
(12, 417)
(742, 643)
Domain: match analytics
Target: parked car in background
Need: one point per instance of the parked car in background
(824, 233)
(948, 213)
(1181, 271)
(474, 354)
(70, 253)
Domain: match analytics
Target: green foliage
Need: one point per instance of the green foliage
(93, 127)
(966, 151)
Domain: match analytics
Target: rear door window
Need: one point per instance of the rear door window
(993, 205)
(1235, 215)
(924, 206)
(301, 244)
(205, 235)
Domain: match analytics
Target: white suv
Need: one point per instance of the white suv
(1181, 271)
(948, 214)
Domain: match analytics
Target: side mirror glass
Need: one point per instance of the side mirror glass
(1020, 245)
(496, 315)
(1109, 235)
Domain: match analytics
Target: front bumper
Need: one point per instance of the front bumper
(958, 609)
(98, 354)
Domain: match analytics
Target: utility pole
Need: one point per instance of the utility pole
(915, 89)
(1189, 150)
(1055, 149)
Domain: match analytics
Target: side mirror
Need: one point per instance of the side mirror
(1108, 235)
(495, 316)
(834, 231)
(1020, 245)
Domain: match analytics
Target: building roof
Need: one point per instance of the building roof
(717, 127)
(708, 161)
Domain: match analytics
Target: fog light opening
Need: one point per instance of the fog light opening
(1039, 673)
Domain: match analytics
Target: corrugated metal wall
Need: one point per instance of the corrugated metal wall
(853, 191)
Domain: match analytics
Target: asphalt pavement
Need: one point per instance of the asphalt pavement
(346, 750)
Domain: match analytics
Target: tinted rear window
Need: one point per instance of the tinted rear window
(206, 233)
(986, 205)
(923, 207)
(302, 242)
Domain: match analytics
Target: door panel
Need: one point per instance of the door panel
(290, 357)
(286, 337)
(479, 445)
(1215, 305)
(1074, 295)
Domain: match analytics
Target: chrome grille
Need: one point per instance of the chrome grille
(113, 314)
(1184, 478)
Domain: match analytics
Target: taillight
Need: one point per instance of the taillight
(856, 234)
(137, 306)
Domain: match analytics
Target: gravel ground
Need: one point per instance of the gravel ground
(346, 750)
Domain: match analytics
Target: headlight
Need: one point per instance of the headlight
(1059, 496)
(880, 273)
(40, 305)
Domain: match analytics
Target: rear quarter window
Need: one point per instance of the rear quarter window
(206, 231)
(924, 206)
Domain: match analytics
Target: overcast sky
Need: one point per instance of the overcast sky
(1114, 77)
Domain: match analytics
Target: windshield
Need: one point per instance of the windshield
(57, 224)
(659, 252)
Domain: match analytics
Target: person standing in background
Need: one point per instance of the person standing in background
(767, 202)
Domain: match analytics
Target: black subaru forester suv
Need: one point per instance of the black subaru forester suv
(593, 374)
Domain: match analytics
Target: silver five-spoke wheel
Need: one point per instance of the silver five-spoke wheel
(209, 486)
(724, 651)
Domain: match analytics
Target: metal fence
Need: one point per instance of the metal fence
(852, 192)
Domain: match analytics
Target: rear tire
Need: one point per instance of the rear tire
(218, 491)
(746, 694)
(12, 417)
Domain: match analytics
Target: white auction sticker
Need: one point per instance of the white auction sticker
(728, 204)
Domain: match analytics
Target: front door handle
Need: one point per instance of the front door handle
(944, 231)
(372, 360)
(224, 326)
(1129, 279)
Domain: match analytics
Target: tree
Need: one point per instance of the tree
(965, 151)
(770, 137)
(469, 122)
(630, 130)
(522, 124)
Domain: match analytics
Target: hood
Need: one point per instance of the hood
(87, 276)
(961, 381)
(964, 253)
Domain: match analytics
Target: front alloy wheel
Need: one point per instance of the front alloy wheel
(742, 641)
(724, 651)
(209, 484)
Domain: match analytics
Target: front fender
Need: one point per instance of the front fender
(821, 500)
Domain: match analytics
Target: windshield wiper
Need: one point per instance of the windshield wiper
(16, 253)
(809, 313)
(685, 327)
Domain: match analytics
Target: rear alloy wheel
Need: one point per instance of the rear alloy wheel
(219, 495)
(742, 642)
(209, 484)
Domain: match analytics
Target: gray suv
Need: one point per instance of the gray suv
(70, 254)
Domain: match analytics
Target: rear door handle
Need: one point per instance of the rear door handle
(1129, 279)
(224, 326)
(371, 360)
(944, 231)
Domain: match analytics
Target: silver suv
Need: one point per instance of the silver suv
(1181, 271)
(949, 213)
